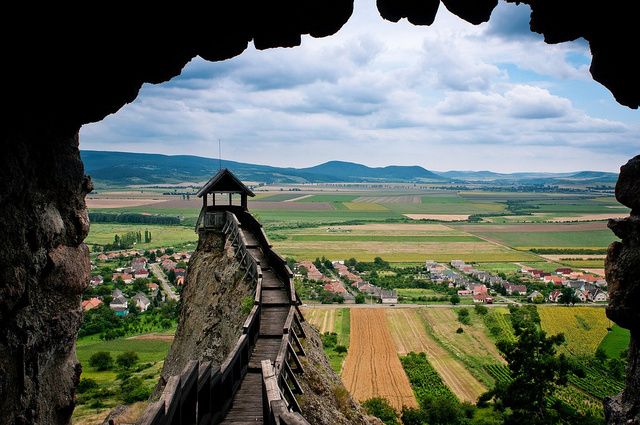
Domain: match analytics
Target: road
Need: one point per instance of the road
(161, 277)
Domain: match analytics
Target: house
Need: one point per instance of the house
(179, 272)
(152, 286)
(102, 257)
(511, 288)
(141, 301)
(597, 295)
(389, 296)
(479, 289)
(141, 273)
(120, 306)
(534, 295)
(564, 271)
(91, 303)
(482, 297)
(126, 278)
(96, 280)
(554, 296)
(554, 280)
(138, 263)
(464, 293)
(581, 295)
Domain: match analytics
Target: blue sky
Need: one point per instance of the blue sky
(451, 96)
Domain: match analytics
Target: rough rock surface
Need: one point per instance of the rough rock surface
(622, 269)
(44, 267)
(211, 317)
(325, 399)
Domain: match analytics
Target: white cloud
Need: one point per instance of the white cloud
(449, 96)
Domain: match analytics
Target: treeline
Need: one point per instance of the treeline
(578, 251)
(132, 218)
(127, 241)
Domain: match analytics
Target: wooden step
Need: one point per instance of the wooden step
(272, 321)
(247, 403)
(265, 349)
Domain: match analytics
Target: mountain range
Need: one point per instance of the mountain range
(126, 168)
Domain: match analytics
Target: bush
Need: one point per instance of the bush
(127, 359)
(101, 360)
(380, 408)
(86, 384)
(459, 330)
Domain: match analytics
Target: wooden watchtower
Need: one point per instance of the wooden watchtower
(224, 182)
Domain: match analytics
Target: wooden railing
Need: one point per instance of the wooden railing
(202, 394)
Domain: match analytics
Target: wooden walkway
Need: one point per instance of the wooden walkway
(247, 404)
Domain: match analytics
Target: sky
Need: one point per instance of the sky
(450, 96)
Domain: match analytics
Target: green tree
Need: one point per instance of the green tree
(454, 299)
(127, 359)
(568, 296)
(535, 369)
(101, 360)
(340, 349)
(380, 408)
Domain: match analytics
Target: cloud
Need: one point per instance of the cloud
(448, 96)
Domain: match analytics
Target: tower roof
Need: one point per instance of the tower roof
(224, 182)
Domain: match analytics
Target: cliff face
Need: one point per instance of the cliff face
(211, 317)
(44, 267)
(622, 269)
(211, 322)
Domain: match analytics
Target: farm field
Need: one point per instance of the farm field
(584, 328)
(409, 335)
(372, 367)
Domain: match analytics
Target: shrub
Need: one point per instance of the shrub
(101, 360)
(86, 384)
(380, 408)
(127, 359)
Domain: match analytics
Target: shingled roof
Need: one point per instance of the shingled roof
(224, 182)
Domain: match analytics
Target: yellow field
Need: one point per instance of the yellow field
(409, 334)
(372, 367)
(583, 327)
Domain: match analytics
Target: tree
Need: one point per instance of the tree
(534, 368)
(454, 299)
(568, 296)
(380, 408)
(340, 349)
(101, 360)
(127, 359)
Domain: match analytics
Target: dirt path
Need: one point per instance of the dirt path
(372, 367)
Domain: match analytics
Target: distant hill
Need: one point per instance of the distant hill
(124, 168)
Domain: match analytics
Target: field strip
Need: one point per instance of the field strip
(298, 198)
(321, 318)
(372, 368)
(408, 334)
(441, 217)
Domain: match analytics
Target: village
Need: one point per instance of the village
(468, 281)
(151, 274)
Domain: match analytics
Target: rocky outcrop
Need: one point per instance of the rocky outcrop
(325, 399)
(44, 267)
(622, 269)
(211, 316)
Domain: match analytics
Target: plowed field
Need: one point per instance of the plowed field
(372, 367)
(322, 318)
(409, 334)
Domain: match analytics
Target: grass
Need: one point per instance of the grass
(161, 235)
(616, 341)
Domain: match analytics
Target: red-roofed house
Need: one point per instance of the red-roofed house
(91, 303)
